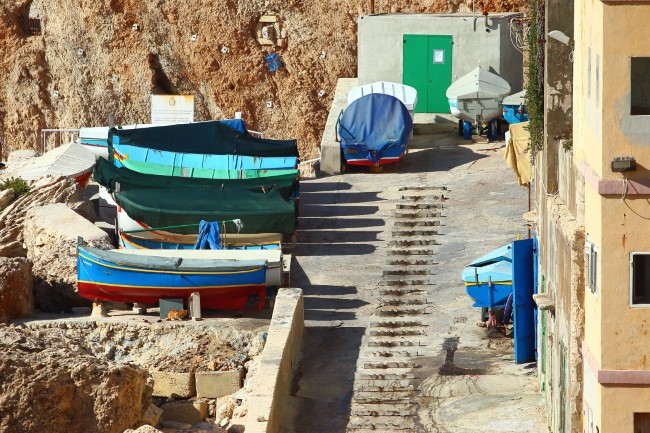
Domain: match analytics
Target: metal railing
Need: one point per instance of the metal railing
(308, 168)
(53, 138)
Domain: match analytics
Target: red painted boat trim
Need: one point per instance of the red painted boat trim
(224, 298)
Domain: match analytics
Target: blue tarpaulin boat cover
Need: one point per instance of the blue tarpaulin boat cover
(211, 137)
(209, 237)
(375, 121)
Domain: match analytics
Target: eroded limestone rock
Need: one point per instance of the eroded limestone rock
(50, 238)
(54, 384)
(16, 282)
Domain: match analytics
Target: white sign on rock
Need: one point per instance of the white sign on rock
(171, 109)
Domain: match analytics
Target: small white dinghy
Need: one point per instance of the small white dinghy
(477, 97)
(71, 160)
(407, 94)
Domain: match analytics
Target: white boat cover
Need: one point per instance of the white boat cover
(518, 98)
(478, 84)
(407, 94)
(69, 160)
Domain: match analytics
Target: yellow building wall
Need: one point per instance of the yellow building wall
(625, 340)
(621, 404)
(587, 149)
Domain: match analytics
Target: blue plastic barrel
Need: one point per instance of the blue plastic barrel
(273, 61)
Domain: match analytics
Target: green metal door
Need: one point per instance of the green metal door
(427, 67)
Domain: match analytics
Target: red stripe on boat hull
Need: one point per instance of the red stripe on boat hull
(382, 161)
(222, 298)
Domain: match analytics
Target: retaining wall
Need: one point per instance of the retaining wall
(276, 363)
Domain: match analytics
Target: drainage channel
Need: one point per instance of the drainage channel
(385, 383)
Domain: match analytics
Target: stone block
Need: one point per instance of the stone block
(185, 411)
(16, 297)
(177, 385)
(152, 415)
(215, 384)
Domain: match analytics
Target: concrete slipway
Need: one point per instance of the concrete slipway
(442, 374)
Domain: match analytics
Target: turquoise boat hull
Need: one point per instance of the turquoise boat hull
(488, 279)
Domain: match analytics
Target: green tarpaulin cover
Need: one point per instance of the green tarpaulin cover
(264, 205)
(211, 137)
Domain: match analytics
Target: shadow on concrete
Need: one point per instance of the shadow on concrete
(338, 198)
(334, 249)
(438, 152)
(331, 236)
(316, 289)
(321, 393)
(307, 186)
(336, 210)
(321, 302)
(340, 223)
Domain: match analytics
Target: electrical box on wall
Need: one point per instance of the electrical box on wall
(623, 163)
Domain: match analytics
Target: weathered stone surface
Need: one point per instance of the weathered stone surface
(185, 411)
(6, 197)
(225, 407)
(16, 282)
(54, 384)
(143, 429)
(152, 415)
(214, 384)
(44, 191)
(170, 384)
(50, 238)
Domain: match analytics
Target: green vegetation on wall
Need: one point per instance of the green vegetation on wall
(535, 85)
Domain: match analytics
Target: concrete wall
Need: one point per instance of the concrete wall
(559, 201)
(380, 44)
(330, 159)
(276, 364)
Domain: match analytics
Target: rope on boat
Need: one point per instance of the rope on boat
(237, 222)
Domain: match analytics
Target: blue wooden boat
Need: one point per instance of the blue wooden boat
(488, 279)
(146, 276)
(375, 130)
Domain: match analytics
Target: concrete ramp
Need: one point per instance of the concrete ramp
(330, 162)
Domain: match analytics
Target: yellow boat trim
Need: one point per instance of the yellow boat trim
(170, 287)
(154, 271)
(503, 283)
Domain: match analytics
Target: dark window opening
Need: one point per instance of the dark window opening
(640, 86)
(640, 279)
(642, 422)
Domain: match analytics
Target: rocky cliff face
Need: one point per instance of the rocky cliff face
(77, 61)
(54, 384)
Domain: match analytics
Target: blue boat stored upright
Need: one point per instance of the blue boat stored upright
(514, 108)
(375, 130)
(488, 279)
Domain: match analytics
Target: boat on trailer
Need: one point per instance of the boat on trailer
(374, 130)
(146, 276)
(476, 98)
